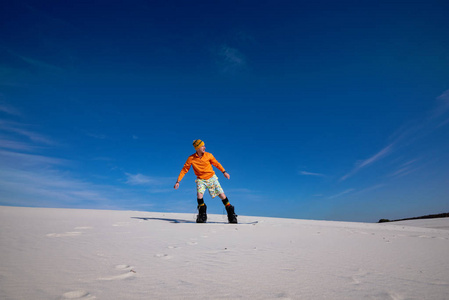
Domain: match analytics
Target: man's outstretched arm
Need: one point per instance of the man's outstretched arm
(183, 172)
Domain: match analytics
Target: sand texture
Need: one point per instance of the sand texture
(93, 254)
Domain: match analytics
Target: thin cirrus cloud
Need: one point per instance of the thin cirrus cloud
(53, 188)
(442, 108)
(15, 145)
(376, 157)
(18, 128)
(28, 178)
(408, 134)
(306, 173)
(402, 172)
(382, 153)
(342, 193)
(230, 59)
(9, 109)
(38, 180)
(40, 64)
(144, 180)
(442, 105)
(428, 123)
(31, 61)
(405, 169)
(16, 160)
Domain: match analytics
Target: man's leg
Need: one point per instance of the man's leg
(199, 198)
(232, 217)
(202, 209)
(224, 199)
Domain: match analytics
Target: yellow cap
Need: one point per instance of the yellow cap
(197, 144)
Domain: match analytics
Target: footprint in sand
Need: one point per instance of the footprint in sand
(356, 277)
(283, 296)
(424, 236)
(79, 294)
(126, 268)
(193, 241)
(356, 231)
(163, 256)
(118, 277)
(122, 267)
(390, 296)
(70, 233)
(120, 224)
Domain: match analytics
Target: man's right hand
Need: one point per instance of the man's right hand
(176, 185)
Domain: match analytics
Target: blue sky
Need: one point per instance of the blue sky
(325, 110)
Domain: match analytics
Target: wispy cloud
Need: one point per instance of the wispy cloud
(139, 179)
(411, 161)
(443, 123)
(144, 180)
(38, 180)
(401, 172)
(9, 109)
(370, 189)
(379, 155)
(35, 137)
(34, 178)
(160, 190)
(341, 194)
(405, 169)
(382, 153)
(29, 179)
(18, 146)
(53, 188)
(305, 173)
(442, 104)
(230, 59)
(244, 37)
(40, 64)
(96, 136)
(12, 158)
(14, 127)
(430, 121)
(36, 63)
(408, 134)
(15, 145)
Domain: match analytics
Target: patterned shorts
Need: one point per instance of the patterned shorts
(211, 184)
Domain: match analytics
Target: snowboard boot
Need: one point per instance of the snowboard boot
(232, 217)
(202, 215)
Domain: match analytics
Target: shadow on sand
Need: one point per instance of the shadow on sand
(165, 219)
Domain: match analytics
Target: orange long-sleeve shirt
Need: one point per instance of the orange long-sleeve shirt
(202, 166)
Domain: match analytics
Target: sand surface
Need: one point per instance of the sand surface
(94, 254)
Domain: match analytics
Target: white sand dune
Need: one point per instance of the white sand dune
(92, 254)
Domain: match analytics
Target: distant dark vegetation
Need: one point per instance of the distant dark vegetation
(443, 215)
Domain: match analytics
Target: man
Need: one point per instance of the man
(202, 163)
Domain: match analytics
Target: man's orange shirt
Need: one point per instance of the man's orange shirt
(202, 166)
